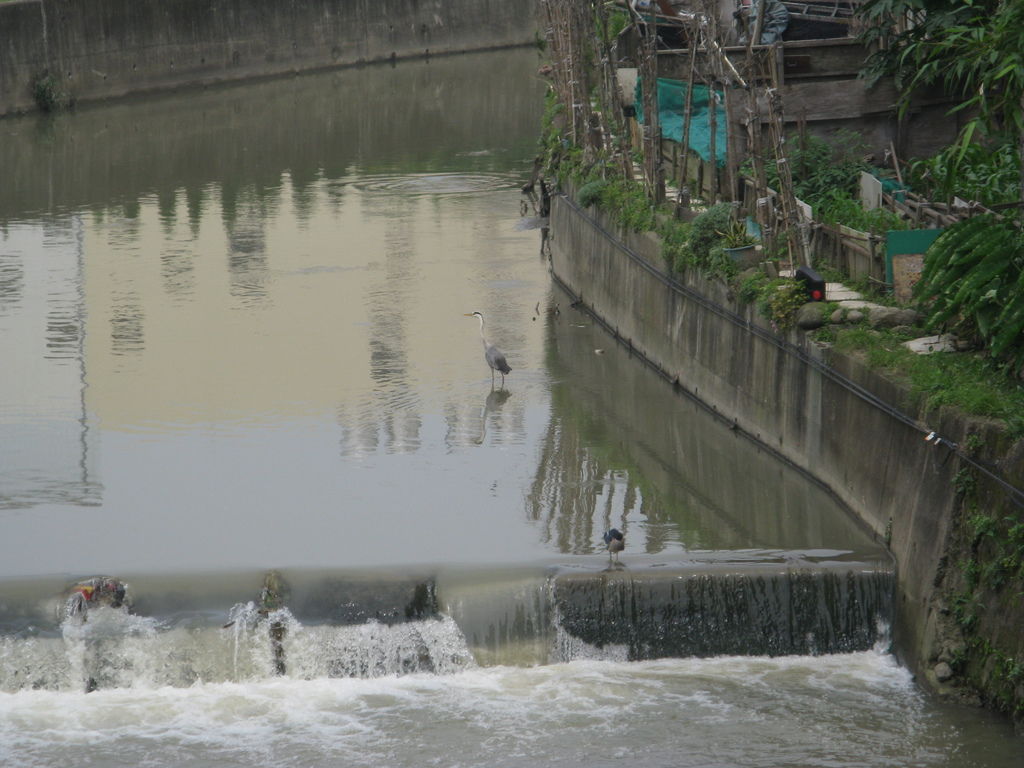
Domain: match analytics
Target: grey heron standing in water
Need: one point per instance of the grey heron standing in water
(495, 357)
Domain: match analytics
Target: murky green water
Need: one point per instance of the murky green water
(233, 338)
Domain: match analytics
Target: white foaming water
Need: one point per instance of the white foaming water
(568, 647)
(857, 709)
(114, 649)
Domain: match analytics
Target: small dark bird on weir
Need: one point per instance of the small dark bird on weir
(615, 542)
(495, 357)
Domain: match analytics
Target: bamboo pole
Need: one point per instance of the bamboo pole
(731, 164)
(763, 211)
(617, 137)
(718, 63)
(764, 208)
(684, 189)
(790, 215)
(647, 70)
(712, 139)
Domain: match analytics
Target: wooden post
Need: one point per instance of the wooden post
(790, 215)
(712, 140)
(763, 213)
(647, 71)
(764, 204)
(731, 164)
(684, 190)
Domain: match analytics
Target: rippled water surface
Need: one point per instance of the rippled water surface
(234, 325)
(857, 710)
(233, 333)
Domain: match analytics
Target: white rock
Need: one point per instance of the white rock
(839, 292)
(859, 304)
(929, 344)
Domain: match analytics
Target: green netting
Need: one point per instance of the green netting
(893, 188)
(671, 103)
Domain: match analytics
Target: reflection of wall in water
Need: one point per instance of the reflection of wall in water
(576, 495)
(622, 448)
(422, 116)
(45, 443)
(247, 248)
(233, 270)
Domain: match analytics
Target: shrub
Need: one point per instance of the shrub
(706, 229)
(590, 192)
(675, 244)
(988, 173)
(819, 169)
(780, 299)
(777, 300)
(840, 208)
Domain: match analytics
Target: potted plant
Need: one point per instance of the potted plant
(737, 242)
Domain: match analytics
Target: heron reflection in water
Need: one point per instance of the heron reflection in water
(495, 357)
(495, 399)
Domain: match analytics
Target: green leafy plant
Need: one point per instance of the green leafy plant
(752, 286)
(776, 300)
(706, 228)
(973, 275)
(736, 235)
(987, 172)
(720, 263)
(973, 49)
(840, 208)
(825, 176)
(820, 168)
(779, 300)
(675, 243)
(590, 192)
(627, 199)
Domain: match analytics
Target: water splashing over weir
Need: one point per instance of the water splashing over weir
(366, 626)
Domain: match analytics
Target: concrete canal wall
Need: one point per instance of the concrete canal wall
(851, 428)
(96, 49)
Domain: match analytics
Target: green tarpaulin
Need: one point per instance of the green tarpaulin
(672, 102)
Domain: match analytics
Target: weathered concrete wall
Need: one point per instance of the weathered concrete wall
(789, 393)
(106, 48)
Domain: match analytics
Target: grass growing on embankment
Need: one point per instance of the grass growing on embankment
(965, 380)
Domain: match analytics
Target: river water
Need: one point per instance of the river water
(233, 331)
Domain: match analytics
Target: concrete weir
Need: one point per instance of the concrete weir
(180, 627)
(736, 611)
(822, 411)
(95, 49)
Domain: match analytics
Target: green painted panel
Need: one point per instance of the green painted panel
(906, 242)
